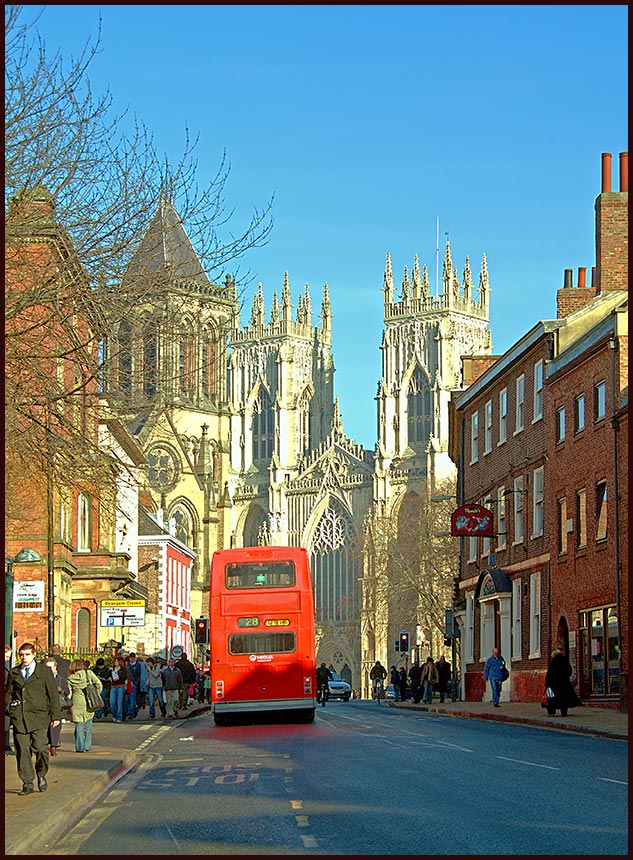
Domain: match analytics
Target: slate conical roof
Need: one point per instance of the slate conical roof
(166, 249)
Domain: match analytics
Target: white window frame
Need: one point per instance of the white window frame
(503, 416)
(600, 400)
(579, 413)
(502, 529)
(538, 497)
(562, 528)
(535, 615)
(472, 548)
(519, 404)
(469, 644)
(83, 523)
(516, 619)
(519, 521)
(474, 437)
(538, 391)
(561, 419)
(488, 427)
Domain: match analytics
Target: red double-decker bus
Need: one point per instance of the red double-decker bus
(261, 620)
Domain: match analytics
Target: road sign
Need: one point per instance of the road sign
(122, 613)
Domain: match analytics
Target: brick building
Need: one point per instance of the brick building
(64, 501)
(539, 435)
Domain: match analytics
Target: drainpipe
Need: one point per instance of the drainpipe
(615, 423)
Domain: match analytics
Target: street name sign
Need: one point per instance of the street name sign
(122, 613)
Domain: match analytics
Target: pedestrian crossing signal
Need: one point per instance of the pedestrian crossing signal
(202, 631)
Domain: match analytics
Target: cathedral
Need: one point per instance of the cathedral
(243, 434)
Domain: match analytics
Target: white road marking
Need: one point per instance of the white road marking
(528, 763)
(606, 779)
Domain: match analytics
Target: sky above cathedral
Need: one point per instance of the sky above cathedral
(382, 129)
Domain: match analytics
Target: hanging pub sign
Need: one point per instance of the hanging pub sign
(471, 521)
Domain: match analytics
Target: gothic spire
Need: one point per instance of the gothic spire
(468, 281)
(307, 305)
(447, 273)
(416, 278)
(426, 284)
(326, 311)
(286, 303)
(274, 313)
(406, 286)
(337, 423)
(483, 282)
(387, 285)
(301, 316)
(257, 316)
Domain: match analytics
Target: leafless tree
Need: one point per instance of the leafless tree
(413, 563)
(82, 182)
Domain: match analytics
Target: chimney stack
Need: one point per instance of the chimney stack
(624, 171)
(606, 172)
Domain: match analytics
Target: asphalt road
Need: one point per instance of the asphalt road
(363, 780)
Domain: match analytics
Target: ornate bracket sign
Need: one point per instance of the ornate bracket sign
(471, 521)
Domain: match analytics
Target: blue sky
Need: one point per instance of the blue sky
(368, 123)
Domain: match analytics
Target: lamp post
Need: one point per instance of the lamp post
(25, 554)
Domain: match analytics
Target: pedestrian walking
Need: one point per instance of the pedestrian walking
(104, 674)
(172, 677)
(118, 682)
(63, 692)
(428, 679)
(188, 672)
(62, 663)
(402, 683)
(8, 749)
(155, 688)
(394, 680)
(32, 702)
(134, 674)
(443, 676)
(78, 679)
(494, 672)
(558, 679)
(415, 674)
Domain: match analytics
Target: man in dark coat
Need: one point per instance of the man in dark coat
(444, 676)
(62, 663)
(558, 679)
(32, 700)
(188, 672)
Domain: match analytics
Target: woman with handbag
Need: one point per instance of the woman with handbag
(65, 702)
(557, 679)
(118, 683)
(78, 679)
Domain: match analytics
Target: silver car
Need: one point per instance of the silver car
(338, 688)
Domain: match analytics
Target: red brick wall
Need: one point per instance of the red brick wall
(612, 241)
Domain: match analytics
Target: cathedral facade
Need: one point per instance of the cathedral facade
(244, 436)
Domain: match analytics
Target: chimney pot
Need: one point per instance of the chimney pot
(594, 278)
(582, 276)
(606, 172)
(624, 171)
(569, 273)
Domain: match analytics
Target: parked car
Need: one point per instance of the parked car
(338, 688)
(389, 692)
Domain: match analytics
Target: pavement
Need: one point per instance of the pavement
(76, 784)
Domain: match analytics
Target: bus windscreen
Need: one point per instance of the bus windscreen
(260, 575)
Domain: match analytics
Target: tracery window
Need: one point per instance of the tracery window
(263, 427)
(150, 357)
(333, 567)
(303, 423)
(186, 364)
(418, 409)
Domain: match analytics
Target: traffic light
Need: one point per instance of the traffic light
(202, 631)
(403, 642)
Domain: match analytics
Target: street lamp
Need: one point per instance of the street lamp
(25, 554)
